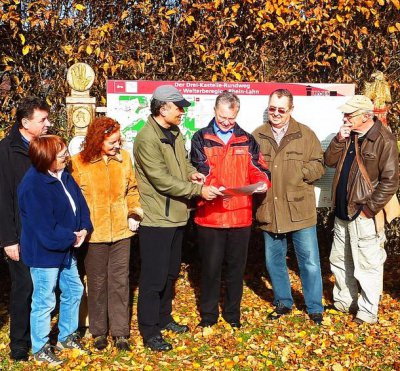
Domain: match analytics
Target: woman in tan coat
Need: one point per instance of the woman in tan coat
(105, 175)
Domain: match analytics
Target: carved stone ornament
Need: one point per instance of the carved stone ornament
(80, 77)
(81, 117)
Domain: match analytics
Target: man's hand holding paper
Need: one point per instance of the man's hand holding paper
(259, 187)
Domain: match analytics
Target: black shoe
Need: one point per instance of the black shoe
(100, 342)
(279, 311)
(19, 354)
(157, 343)
(235, 325)
(176, 327)
(122, 343)
(317, 318)
(205, 323)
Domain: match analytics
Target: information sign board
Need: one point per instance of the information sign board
(128, 101)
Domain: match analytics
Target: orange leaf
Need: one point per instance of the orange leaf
(80, 7)
(189, 20)
(170, 12)
(369, 340)
(280, 20)
(396, 4)
(26, 49)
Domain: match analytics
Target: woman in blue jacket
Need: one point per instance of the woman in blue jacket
(55, 220)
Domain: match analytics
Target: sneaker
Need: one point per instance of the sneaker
(122, 343)
(46, 355)
(157, 343)
(176, 327)
(317, 318)
(100, 342)
(71, 342)
(279, 311)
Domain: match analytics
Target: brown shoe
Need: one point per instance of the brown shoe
(100, 342)
(122, 343)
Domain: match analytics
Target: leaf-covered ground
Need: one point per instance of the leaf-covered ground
(293, 342)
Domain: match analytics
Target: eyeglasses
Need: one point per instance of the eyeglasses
(64, 155)
(350, 116)
(231, 121)
(281, 111)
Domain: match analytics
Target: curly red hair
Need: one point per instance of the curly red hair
(99, 129)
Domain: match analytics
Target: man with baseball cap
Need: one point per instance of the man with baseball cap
(168, 93)
(166, 181)
(365, 156)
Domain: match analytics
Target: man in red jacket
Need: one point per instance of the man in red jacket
(230, 158)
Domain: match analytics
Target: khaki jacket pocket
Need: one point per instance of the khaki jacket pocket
(301, 204)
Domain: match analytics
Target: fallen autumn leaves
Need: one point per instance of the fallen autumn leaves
(293, 342)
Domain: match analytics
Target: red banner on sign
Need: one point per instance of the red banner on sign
(239, 88)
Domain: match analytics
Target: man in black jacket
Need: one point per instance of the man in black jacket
(32, 121)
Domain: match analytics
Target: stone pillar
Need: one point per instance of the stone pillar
(81, 107)
(81, 110)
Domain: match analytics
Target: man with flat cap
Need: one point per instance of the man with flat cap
(365, 156)
(167, 181)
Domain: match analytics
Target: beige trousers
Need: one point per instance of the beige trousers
(357, 259)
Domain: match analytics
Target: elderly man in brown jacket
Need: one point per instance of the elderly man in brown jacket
(365, 155)
(295, 159)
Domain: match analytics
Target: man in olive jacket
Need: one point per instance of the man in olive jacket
(357, 254)
(295, 159)
(166, 181)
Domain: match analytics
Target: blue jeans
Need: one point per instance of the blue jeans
(306, 247)
(44, 301)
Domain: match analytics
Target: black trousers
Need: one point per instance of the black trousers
(216, 246)
(160, 253)
(20, 305)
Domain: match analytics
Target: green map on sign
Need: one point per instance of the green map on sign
(135, 109)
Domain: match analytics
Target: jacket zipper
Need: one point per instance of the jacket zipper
(109, 200)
